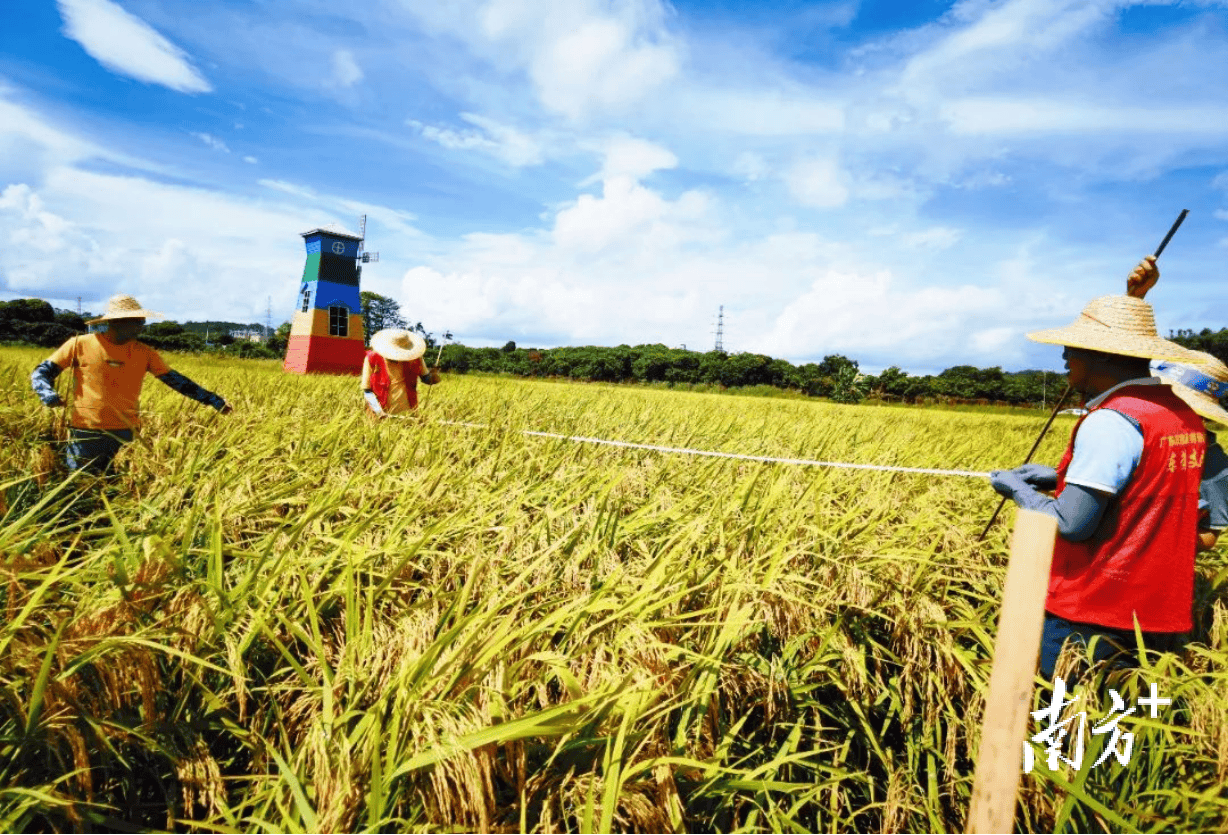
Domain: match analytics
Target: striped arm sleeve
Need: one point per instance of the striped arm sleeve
(190, 389)
(43, 381)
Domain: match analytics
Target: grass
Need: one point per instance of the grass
(292, 619)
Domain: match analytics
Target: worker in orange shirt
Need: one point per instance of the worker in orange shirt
(391, 370)
(108, 371)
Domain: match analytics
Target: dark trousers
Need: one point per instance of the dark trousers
(1118, 644)
(94, 449)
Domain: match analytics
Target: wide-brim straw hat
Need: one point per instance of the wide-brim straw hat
(398, 345)
(1122, 325)
(124, 307)
(1201, 384)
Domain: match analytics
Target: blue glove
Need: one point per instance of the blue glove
(1040, 476)
(1007, 482)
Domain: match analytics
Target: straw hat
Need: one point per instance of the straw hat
(1120, 325)
(124, 307)
(1200, 383)
(398, 345)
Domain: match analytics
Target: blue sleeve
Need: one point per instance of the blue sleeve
(1214, 487)
(187, 388)
(43, 381)
(1106, 451)
(1078, 510)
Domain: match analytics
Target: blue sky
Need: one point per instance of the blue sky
(910, 183)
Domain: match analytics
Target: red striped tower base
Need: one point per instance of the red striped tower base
(324, 355)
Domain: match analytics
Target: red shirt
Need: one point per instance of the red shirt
(377, 374)
(1140, 561)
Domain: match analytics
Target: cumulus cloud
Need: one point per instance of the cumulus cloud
(127, 45)
(627, 213)
(189, 252)
(580, 56)
(633, 158)
(70, 258)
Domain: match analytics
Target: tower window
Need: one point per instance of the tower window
(338, 320)
(306, 300)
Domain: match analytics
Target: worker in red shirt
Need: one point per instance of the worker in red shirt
(1127, 489)
(391, 371)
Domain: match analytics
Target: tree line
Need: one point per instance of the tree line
(839, 378)
(836, 377)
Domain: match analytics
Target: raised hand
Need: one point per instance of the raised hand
(1143, 278)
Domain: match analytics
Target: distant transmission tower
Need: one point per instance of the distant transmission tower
(268, 320)
(720, 330)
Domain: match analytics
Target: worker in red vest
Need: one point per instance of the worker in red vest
(391, 371)
(1127, 489)
(1202, 383)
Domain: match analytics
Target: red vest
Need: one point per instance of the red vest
(381, 382)
(1140, 561)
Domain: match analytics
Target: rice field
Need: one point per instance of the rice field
(294, 619)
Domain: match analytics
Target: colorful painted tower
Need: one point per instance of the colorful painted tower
(326, 332)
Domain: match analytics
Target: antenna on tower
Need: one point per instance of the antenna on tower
(365, 257)
(720, 330)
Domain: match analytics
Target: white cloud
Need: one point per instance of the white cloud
(346, 72)
(763, 112)
(212, 141)
(69, 257)
(993, 341)
(1048, 115)
(628, 213)
(633, 158)
(599, 62)
(817, 182)
(302, 192)
(859, 312)
(498, 140)
(936, 238)
(982, 40)
(188, 252)
(127, 45)
(580, 56)
(750, 166)
(250, 160)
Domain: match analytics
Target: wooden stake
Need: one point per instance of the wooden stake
(1000, 759)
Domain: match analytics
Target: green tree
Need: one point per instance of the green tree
(379, 312)
(27, 310)
(1206, 340)
(892, 381)
(969, 382)
(280, 340)
(71, 320)
(847, 385)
